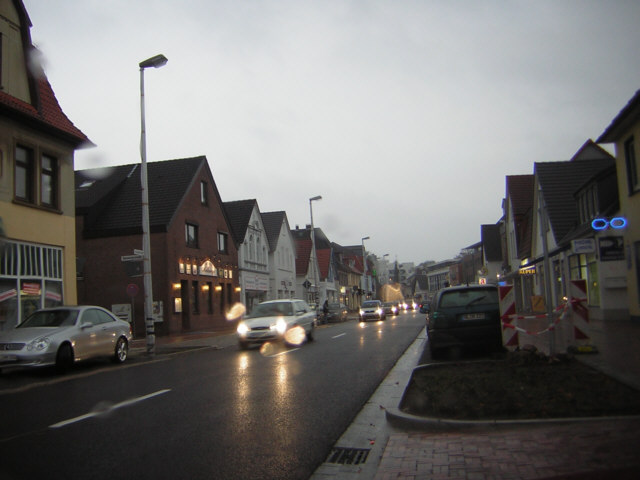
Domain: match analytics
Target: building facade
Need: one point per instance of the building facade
(282, 256)
(194, 259)
(624, 133)
(37, 144)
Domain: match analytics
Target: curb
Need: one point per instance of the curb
(399, 419)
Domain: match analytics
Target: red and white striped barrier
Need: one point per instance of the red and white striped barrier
(508, 308)
(580, 317)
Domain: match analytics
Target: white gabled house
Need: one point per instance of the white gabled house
(282, 256)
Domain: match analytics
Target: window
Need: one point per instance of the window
(632, 166)
(191, 232)
(203, 193)
(49, 182)
(222, 242)
(24, 174)
(27, 173)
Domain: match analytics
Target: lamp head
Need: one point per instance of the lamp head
(155, 62)
(317, 197)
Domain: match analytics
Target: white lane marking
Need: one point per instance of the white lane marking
(338, 336)
(284, 353)
(103, 411)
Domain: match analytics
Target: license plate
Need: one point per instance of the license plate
(473, 316)
(8, 358)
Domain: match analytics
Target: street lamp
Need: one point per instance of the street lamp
(155, 62)
(314, 262)
(364, 261)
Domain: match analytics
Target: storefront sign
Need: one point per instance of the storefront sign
(583, 245)
(527, 270)
(602, 223)
(208, 269)
(611, 248)
(256, 282)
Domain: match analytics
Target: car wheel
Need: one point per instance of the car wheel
(64, 357)
(122, 350)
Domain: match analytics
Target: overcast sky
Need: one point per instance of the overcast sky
(405, 116)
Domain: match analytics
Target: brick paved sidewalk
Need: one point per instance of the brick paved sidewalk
(592, 449)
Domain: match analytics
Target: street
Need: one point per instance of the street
(203, 413)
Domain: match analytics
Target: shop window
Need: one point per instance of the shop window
(209, 291)
(195, 307)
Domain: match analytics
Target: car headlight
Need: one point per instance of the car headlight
(281, 326)
(361, 312)
(39, 344)
(379, 311)
(242, 329)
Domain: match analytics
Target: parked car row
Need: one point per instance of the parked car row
(61, 336)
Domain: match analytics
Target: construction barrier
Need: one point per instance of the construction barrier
(580, 318)
(569, 324)
(507, 309)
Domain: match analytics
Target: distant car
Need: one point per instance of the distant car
(372, 310)
(464, 316)
(390, 308)
(424, 307)
(290, 321)
(63, 335)
(337, 313)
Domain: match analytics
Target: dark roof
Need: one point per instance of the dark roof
(520, 191)
(559, 181)
(272, 222)
(239, 215)
(324, 259)
(303, 254)
(491, 242)
(111, 199)
(44, 111)
(622, 121)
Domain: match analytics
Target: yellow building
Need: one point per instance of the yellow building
(37, 205)
(624, 131)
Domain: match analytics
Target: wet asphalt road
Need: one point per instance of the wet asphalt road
(201, 414)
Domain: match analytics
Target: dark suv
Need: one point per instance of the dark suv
(464, 316)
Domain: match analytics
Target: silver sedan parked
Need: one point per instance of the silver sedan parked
(63, 335)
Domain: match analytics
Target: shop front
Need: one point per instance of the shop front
(31, 278)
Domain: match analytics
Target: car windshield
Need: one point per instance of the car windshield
(464, 298)
(272, 309)
(369, 304)
(50, 318)
(334, 306)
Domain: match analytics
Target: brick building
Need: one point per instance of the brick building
(194, 259)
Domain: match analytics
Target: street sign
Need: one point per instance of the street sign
(132, 290)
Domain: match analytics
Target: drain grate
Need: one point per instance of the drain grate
(348, 456)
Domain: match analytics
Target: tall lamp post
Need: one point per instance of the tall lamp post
(364, 261)
(314, 261)
(155, 62)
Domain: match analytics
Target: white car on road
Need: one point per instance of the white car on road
(291, 321)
